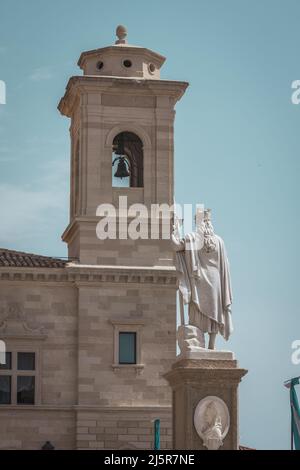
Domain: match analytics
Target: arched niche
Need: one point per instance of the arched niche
(128, 147)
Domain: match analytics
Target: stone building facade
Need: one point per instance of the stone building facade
(68, 324)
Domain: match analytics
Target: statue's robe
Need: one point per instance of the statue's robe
(204, 282)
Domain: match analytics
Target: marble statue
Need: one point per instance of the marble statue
(204, 284)
(211, 420)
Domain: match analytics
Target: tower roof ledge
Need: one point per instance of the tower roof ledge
(173, 88)
(118, 49)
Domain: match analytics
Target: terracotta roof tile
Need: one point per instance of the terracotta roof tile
(11, 258)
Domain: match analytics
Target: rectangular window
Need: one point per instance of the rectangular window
(25, 390)
(127, 347)
(7, 365)
(26, 361)
(5, 389)
(17, 379)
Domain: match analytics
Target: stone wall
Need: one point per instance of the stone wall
(42, 319)
(82, 399)
(30, 428)
(123, 428)
(50, 314)
(151, 309)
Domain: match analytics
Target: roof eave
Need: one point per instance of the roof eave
(115, 49)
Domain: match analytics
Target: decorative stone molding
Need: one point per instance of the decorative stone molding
(92, 274)
(121, 408)
(87, 408)
(207, 371)
(13, 324)
(138, 368)
(84, 84)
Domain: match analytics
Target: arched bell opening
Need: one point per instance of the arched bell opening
(127, 161)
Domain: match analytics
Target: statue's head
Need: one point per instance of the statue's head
(212, 430)
(207, 230)
(211, 414)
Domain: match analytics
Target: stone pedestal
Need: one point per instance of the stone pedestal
(198, 375)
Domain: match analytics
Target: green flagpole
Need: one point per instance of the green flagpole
(157, 434)
(295, 412)
(292, 435)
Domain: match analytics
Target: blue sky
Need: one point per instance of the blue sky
(236, 151)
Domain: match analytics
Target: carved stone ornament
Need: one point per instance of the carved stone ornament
(189, 339)
(13, 324)
(191, 345)
(212, 421)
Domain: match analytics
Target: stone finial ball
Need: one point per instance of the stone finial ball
(121, 32)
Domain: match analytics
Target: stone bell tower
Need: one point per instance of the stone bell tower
(121, 111)
(119, 101)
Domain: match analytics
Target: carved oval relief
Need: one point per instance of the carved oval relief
(212, 421)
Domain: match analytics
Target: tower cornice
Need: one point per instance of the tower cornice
(117, 85)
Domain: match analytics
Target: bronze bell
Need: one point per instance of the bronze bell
(122, 170)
